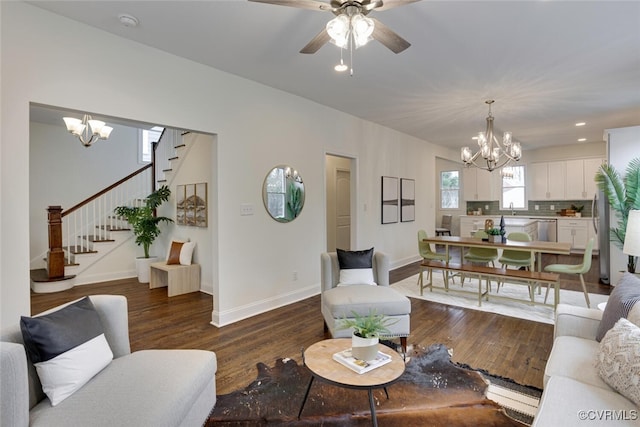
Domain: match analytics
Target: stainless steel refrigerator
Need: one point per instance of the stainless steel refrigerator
(600, 213)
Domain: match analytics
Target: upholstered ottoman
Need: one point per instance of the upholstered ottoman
(341, 302)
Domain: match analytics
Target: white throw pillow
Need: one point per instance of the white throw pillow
(186, 252)
(634, 314)
(68, 372)
(356, 276)
(618, 361)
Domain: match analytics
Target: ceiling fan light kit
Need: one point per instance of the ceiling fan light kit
(351, 28)
(494, 155)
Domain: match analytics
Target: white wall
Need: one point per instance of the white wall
(195, 168)
(64, 172)
(565, 152)
(624, 145)
(257, 127)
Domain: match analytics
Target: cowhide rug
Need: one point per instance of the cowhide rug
(433, 391)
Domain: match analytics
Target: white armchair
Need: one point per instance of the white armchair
(339, 302)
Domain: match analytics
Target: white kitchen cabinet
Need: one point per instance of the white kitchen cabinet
(579, 178)
(592, 233)
(547, 180)
(574, 231)
(478, 184)
(470, 224)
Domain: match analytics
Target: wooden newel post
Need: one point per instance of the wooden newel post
(55, 256)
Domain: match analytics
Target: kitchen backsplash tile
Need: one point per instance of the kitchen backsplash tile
(544, 208)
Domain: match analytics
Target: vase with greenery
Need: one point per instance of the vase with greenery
(366, 333)
(145, 223)
(623, 194)
(495, 235)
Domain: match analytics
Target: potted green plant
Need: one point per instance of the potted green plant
(623, 195)
(366, 333)
(495, 236)
(578, 209)
(145, 226)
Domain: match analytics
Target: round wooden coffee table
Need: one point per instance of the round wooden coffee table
(319, 359)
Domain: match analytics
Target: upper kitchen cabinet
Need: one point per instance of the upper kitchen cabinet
(580, 183)
(478, 184)
(547, 181)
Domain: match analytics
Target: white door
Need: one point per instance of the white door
(343, 209)
(338, 200)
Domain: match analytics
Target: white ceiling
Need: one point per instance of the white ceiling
(548, 64)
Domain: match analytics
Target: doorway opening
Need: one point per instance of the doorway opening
(340, 193)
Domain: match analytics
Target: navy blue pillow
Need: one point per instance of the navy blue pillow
(48, 336)
(355, 259)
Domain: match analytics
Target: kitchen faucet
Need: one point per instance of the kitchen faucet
(513, 212)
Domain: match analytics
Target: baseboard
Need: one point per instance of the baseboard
(405, 261)
(87, 279)
(233, 315)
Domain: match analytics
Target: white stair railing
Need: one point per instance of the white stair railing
(95, 220)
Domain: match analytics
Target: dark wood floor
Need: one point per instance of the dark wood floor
(504, 346)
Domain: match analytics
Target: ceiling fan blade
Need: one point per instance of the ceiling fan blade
(388, 37)
(371, 4)
(301, 4)
(317, 42)
(390, 4)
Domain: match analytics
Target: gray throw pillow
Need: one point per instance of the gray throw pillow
(356, 267)
(624, 295)
(67, 347)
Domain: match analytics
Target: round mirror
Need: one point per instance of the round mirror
(283, 193)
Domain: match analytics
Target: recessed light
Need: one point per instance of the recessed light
(581, 124)
(128, 20)
(582, 139)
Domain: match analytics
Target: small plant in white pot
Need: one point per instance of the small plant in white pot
(366, 333)
(494, 235)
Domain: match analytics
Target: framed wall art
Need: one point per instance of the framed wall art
(389, 199)
(407, 200)
(191, 204)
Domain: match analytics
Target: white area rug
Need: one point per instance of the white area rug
(522, 310)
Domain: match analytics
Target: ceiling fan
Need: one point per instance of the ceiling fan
(345, 12)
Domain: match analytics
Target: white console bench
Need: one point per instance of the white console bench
(179, 279)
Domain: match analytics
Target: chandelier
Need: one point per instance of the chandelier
(87, 130)
(350, 29)
(494, 155)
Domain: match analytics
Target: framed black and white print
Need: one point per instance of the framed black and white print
(389, 199)
(407, 200)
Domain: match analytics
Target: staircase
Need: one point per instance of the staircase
(87, 233)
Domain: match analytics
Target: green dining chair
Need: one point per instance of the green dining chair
(427, 254)
(578, 269)
(516, 258)
(481, 255)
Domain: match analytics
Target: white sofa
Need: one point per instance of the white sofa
(574, 393)
(144, 388)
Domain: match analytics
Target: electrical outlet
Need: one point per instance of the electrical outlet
(537, 207)
(552, 207)
(294, 276)
(486, 207)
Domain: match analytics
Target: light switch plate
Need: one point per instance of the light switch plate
(246, 209)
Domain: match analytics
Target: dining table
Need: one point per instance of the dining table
(537, 248)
